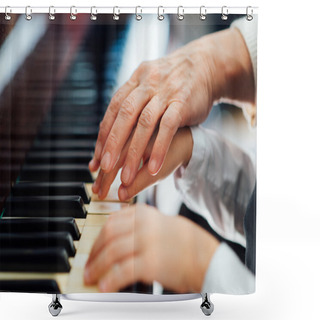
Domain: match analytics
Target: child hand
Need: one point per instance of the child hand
(141, 244)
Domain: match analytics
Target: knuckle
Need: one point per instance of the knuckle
(154, 74)
(146, 119)
(114, 103)
(127, 108)
(133, 154)
(102, 127)
(112, 140)
(143, 66)
(169, 123)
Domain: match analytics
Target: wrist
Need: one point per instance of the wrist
(230, 67)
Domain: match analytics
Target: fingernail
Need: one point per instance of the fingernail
(123, 193)
(100, 194)
(106, 162)
(153, 167)
(103, 285)
(125, 175)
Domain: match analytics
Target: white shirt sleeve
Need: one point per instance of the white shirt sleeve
(227, 274)
(217, 182)
(249, 30)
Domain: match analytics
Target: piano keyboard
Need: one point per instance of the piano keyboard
(51, 219)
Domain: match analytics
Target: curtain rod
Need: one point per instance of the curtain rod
(138, 10)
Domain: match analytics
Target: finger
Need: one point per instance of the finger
(117, 225)
(97, 183)
(111, 254)
(108, 178)
(122, 127)
(148, 120)
(143, 180)
(106, 182)
(170, 122)
(108, 120)
(122, 274)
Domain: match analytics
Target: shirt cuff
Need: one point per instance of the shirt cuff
(227, 274)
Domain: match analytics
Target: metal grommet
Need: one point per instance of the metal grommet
(138, 15)
(160, 15)
(203, 13)
(224, 13)
(116, 14)
(73, 13)
(180, 13)
(7, 10)
(93, 15)
(52, 12)
(28, 13)
(249, 13)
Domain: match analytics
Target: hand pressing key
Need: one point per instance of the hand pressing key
(169, 93)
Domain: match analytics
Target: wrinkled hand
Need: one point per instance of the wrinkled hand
(176, 91)
(170, 92)
(141, 244)
(179, 153)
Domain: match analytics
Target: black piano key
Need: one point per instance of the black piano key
(72, 122)
(34, 260)
(60, 145)
(74, 119)
(51, 189)
(30, 286)
(38, 241)
(68, 132)
(55, 173)
(34, 225)
(45, 206)
(58, 157)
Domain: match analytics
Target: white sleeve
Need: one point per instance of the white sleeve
(249, 30)
(217, 182)
(227, 274)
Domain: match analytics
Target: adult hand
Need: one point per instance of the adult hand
(172, 92)
(179, 153)
(141, 244)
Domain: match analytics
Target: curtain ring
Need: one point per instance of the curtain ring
(138, 16)
(7, 10)
(180, 13)
(224, 13)
(116, 14)
(160, 16)
(28, 13)
(93, 15)
(52, 11)
(73, 13)
(203, 13)
(249, 14)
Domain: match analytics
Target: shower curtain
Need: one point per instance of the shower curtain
(128, 151)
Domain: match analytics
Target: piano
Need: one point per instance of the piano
(54, 90)
(51, 103)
